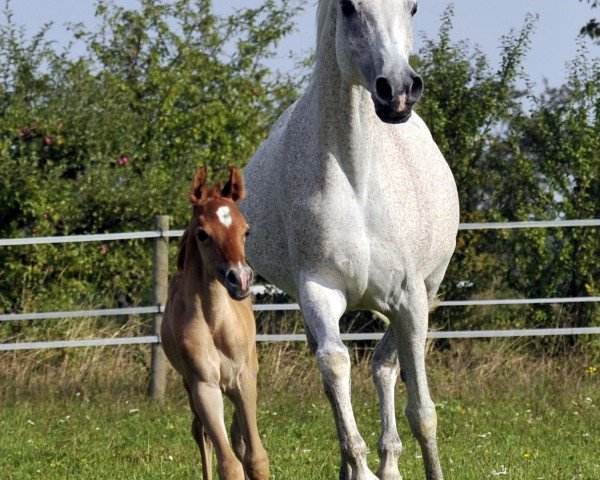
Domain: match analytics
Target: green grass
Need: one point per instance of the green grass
(523, 419)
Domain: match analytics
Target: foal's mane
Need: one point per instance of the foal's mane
(182, 249)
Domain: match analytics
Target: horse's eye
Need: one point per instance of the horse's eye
(414, 10)
(202, 235)
(347, 8)
(247, 233)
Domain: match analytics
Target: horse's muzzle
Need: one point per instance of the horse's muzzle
(388, 114)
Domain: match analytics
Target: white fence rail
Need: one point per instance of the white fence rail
(103, 237)
(157, 309)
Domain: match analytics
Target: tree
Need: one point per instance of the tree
(514, 165)
(104, 142)
(592, 28)
(469, 108)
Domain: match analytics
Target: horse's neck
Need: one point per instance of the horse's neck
(345, 113)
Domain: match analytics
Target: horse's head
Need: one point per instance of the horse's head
(220, 230)
(373, 42)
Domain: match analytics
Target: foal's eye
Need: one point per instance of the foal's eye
(347, 7)
(202, 235)
(414, 10)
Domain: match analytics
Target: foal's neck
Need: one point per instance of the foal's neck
(203, 291)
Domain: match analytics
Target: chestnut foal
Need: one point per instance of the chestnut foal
(208, 331)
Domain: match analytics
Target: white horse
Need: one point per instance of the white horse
(352, 206)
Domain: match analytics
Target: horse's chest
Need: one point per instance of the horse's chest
(329, 237)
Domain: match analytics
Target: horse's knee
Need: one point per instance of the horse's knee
(389, 444)
(334, 362)
(422, 421)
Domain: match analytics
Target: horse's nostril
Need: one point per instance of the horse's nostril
(383, 89)
(416, 90)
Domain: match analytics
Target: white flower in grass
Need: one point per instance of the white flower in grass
(503, 471)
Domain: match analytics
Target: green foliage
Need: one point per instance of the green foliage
(515, 164)
(104, 142)
(592, 28)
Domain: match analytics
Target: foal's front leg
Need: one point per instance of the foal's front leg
(247, 442)
(207, 401)
(322, 308)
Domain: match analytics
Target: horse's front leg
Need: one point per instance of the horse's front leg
(322, 308)
(410, 323)
(245, 429)
(385, 373)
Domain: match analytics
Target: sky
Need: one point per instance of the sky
(480, 22)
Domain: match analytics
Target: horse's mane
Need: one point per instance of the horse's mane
(322, 10)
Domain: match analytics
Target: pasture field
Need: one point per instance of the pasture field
(501, 415)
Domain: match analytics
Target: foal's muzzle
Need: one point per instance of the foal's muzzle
(237, 282)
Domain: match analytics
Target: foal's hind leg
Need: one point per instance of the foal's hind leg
(237, 438)
(205, 446)
(385, 373)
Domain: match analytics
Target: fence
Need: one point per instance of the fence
(160, 237)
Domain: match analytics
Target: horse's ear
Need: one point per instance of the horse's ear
(199, 192)
(234, 188)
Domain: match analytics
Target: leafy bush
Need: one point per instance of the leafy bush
(104, 142)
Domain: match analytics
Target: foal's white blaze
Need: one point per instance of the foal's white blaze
(224, 214)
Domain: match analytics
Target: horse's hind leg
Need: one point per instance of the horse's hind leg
(385, 373)
(410, 324)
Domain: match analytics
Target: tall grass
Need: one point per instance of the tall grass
(82, 413)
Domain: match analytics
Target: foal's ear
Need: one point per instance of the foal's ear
(199, 192)
(234, 188)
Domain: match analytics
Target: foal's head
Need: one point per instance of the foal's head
(373, 41)
(219, 230)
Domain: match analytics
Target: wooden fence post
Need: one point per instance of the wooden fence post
(160, 279)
